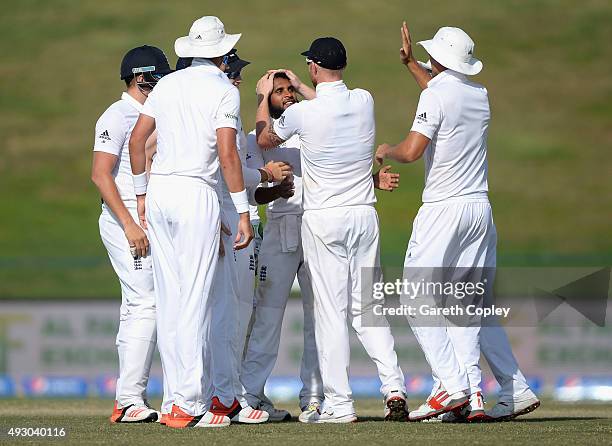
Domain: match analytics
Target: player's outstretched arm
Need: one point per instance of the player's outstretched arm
(421, 76)
(407, 151)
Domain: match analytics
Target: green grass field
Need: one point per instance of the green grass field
(86, 422)
(546, 68)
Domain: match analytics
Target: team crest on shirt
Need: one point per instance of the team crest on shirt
(422, 117)
(281, 121)
(104, 136)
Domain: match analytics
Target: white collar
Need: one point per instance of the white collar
(447, 74)
(202, 62)
(331, 87)
(130, 100)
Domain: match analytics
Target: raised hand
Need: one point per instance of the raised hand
(406, 49)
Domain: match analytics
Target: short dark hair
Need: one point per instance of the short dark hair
(281, 74)
(128, 80)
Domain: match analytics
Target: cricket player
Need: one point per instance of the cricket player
(225, 390)
(281, 260)
(196, 113)
(516, 398)
(340, 234)
(454, 227)
(234, 286)
(120, 231)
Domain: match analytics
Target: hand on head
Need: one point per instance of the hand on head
(266, 83)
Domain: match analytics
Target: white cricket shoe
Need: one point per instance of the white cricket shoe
(134, 414)
(396, 407)
(330, 417)
(310, 412)
(440, 403)
(472, 413)
(275, 415)
(248, 415)
(507, 410)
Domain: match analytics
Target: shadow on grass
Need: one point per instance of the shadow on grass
(516, 420)
(549, 419)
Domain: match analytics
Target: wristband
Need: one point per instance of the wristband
(140, 183)
(241, 201)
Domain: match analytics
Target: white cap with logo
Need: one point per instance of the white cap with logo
(206, 39)
(454, 49)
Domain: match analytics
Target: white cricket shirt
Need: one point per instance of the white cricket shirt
(113, 131)
(454, 113)
(288, 152)
(189, 106)
(336, 131)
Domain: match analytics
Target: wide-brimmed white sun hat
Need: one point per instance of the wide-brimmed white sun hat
(454, 49)
(206, 39)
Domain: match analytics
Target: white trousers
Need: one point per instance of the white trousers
(280, 260)
(136, 337)
(337, 244)
(183, 218)
(232, 307)
(454, 233)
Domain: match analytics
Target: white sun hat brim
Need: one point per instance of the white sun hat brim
(470, 67)
(187, 47)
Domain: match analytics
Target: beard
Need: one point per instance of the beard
(276, 112)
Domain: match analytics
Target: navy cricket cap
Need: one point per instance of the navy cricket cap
(183, 62)
(234, 63)
(327, 52)
(144, 59)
